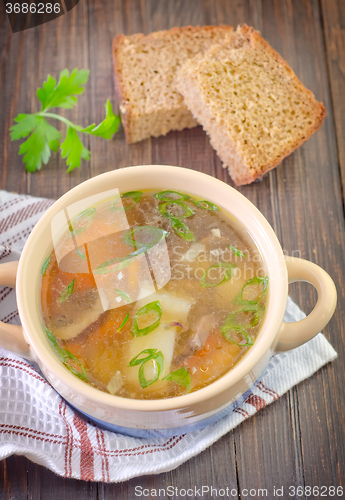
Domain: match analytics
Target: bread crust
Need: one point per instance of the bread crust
(119, 83)
(243, 170)
(255, 38)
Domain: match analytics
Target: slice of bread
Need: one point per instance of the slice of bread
(250, 103)
(145, 73)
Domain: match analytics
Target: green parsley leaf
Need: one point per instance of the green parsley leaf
(107, 127)
(53, 136)
(36, 149)
(62, 94)
(73, 149)
(25, 125)
(45, 138)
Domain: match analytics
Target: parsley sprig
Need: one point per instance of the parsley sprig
(44, 138)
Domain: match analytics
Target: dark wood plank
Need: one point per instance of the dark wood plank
(13, 478)
(333, 21)
(25, 66)
(118, 17)
(307, 192)
(212, 467)
(11, 77)
(45, 485)
(70, 32)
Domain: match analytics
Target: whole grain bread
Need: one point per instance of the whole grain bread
(145, 72)
(250, 103)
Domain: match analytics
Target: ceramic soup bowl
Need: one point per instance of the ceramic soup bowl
(166, 417)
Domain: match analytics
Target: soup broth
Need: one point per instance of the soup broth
(152, 294)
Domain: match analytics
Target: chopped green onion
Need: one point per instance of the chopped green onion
(162, 207)
(257, 309)
(207, 205)
(85, 216)
(158, 366)
(237, 252)
(65, 356)
(107, 263)
(227, 275)
(123, 323)
(123, 262)
(225, 332)
(258, 312)
(123, 295)
(51, 338)
(181, 229)
(137, 361)
(157, 234)
(134, 195)
(67, 291)
(152, 307)
(255, 281)
(181, 377)
(45, 265)
(104, 268)
(164, 196)
(81, 255)
(69, 356)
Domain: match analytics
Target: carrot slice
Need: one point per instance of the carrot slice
(45, 296)
(208, 363)
(111, 325)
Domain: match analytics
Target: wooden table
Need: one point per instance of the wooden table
(300, 439)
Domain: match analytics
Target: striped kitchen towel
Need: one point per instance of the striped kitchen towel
(36, 422)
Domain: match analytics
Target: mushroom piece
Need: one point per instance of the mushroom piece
(70, 326)
(203, 329)
(198, 338)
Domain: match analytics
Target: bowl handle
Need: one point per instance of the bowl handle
(294, 334)
(11, 336)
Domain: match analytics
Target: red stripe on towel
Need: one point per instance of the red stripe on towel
(267, 390)
(255, 401)
(242, 412)
(86, 451)
(69, 443)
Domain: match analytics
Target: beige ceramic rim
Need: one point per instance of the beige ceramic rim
(203, 186)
